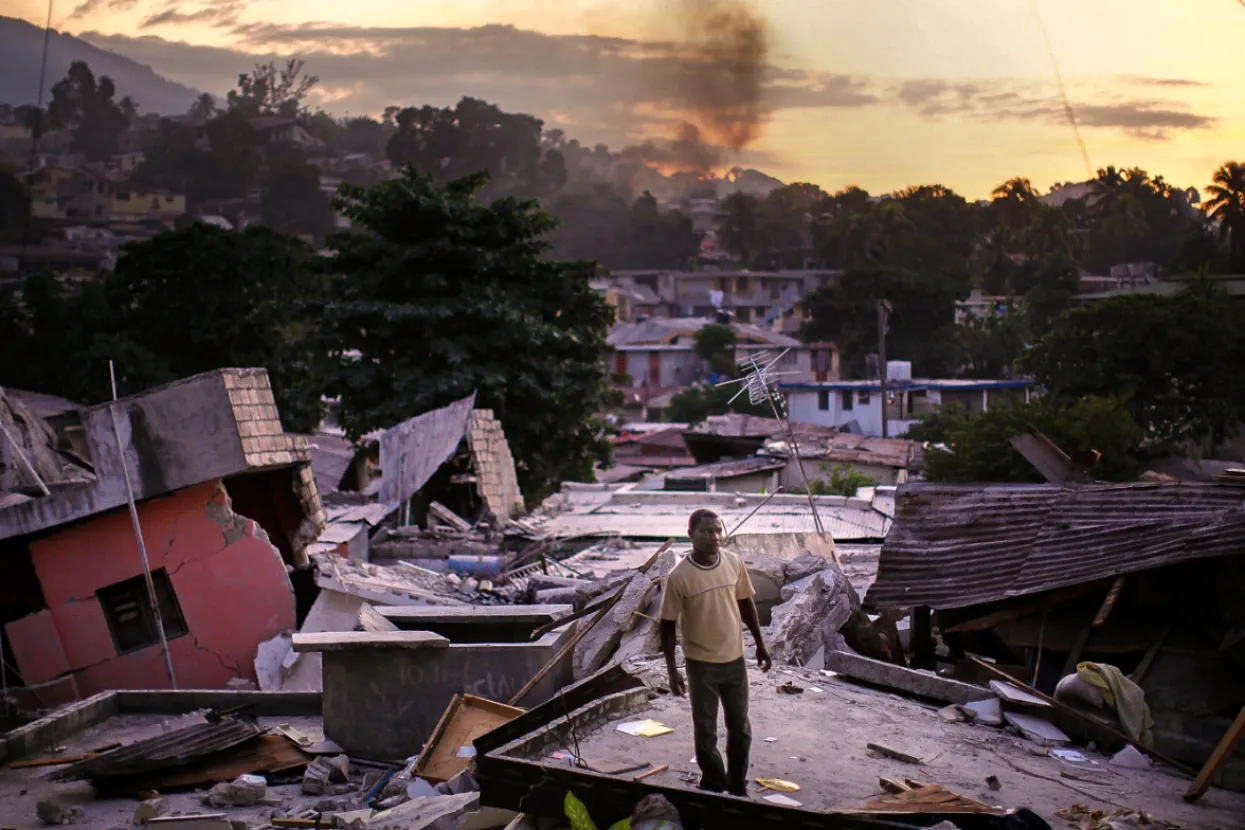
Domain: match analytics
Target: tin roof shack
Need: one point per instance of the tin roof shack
(227, 504)
(1146, 577)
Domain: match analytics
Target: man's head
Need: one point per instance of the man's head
(705, 528)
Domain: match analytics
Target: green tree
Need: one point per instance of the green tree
(715, 344)
(1227, 207)
(269, 90)
(437, 295)
(85, 105)
(293, 202)
(993, 344)
(1175, 360)
(200, 298)
(739, 229)
(696, 403)
(972, 448)
(656, 239)
(476, 136)
(14, 205)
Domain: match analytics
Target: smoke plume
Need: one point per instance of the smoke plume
(720, 47)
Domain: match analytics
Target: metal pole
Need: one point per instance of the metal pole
(25, 461)
(735, 530)
(138, 532)
(883, 308)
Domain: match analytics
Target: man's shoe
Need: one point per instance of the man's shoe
(739, 793)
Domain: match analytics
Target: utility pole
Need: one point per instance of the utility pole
(884, 308)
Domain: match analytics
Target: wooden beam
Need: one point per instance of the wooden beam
(1089, 722)
(1227, 745)
(1139, 673)
(1021, 607)
(1113, 597)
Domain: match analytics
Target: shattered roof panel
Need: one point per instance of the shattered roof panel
(953, 546)
(331, 456)
(415, 449)
(662, 521)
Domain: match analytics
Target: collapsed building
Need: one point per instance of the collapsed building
(227, 504)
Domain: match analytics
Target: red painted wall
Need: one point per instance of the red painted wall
(232, 587)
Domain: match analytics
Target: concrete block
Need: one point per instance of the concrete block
(425, 813)
(358, 640)
(902, 680)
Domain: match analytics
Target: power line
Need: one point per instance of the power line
(1063, 92)
(35, 133)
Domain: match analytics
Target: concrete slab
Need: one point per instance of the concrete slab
(903, 680)
(532, 614)
(354, 640)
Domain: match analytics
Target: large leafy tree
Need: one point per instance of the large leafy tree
(1227, 207)
(200, 298)
(87, 106)
(1175, 360)
(437, 294)
(292, 200)
(968, 448)
(450, 144)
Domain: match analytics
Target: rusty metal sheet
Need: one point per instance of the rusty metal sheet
(953, 546)
(173, 749)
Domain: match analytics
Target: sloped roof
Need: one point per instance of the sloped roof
(953, 546)
(663, 331)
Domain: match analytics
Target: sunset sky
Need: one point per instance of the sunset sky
(877, 93)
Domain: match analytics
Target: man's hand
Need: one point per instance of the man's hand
(763, 658)
(677, 686)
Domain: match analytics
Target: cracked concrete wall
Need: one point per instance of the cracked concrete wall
(230, 581)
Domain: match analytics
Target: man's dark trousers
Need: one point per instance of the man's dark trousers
(707, 684)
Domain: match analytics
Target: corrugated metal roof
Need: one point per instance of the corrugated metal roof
(661, 522)
(953, 546)
(415, 449)
(163, 751)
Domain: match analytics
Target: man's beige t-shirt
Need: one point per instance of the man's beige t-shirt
(708, 601)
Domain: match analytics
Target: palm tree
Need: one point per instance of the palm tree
(1227, 207)
(204, 107)
(1014, 204)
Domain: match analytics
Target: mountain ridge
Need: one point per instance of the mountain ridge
(21, 53)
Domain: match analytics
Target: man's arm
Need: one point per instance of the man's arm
(748, 612)
(669, 636)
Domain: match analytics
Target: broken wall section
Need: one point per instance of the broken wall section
(97, 628)
(496, 479)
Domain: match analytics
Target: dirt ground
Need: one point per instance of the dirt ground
(819, 742)
(22, 789)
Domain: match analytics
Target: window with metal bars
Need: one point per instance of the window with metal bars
(131, 620)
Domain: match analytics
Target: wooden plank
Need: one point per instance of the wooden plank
(51, 762)
(893, 754)
(372, 620)
(466, 719)
(1227, 745)
(1074, 656)
(1084, 719)
(1113, 596)
(449, 517)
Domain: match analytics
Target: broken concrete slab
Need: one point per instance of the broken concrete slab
(53, 812)
(986, 711)
(1038, 730)
(245, 791)
(803, 566)
(1015, 694)
(810, 620)
(151, 808)
(600, 644)
(899, 679)
(355, 640)
(768, 575)
(434, 813)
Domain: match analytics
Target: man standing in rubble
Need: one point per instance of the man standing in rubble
(711, 593)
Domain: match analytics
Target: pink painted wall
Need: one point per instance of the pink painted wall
(232, 587)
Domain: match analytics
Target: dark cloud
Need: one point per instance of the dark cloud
(91, 6)
(217, 14)
(607, 89)
(1021, 101)
(1141, 80)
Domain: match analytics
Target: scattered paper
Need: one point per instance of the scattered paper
(770, 740)
(817, 689)
(782, 800)
(1072, 756)
(644, 729)
(466, 752)
(829, 673)
(779, 785)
